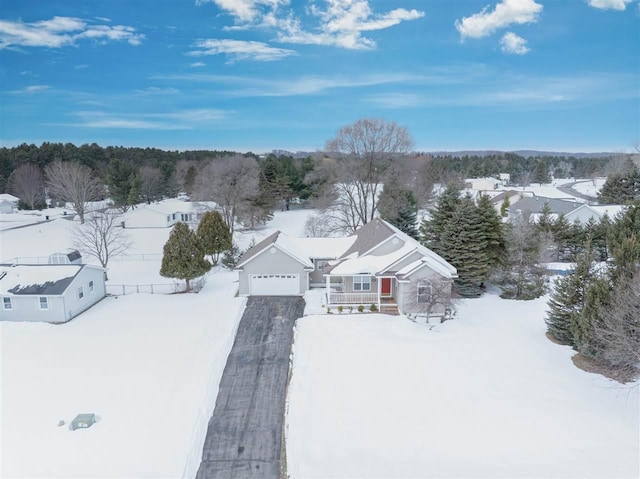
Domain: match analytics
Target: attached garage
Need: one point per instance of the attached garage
(274, 285)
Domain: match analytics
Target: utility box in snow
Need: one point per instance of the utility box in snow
(83, 421)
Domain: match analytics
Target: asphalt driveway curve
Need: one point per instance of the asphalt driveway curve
(244, 438)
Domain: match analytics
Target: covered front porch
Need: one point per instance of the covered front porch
(361, 290)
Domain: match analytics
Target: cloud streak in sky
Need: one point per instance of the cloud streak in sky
(240, 50)
(62, 31)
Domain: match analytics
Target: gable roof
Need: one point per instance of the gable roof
(279, 240)
(536, 203)
(9, 198)
(354, 262)
(40, 279)
(369, 236)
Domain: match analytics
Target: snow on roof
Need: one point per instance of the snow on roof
(8, 197)
(293, 248)
(327, 248)
(371, 264)
(37, 279)
(610, 210)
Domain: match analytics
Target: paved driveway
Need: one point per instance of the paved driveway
(244, 439)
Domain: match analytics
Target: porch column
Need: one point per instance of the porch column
(379, 281)
(327, 279)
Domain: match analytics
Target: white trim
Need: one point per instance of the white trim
(46, 303)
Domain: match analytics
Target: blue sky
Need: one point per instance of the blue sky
(256, 75)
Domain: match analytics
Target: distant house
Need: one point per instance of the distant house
(158, 215)
(8, 203)
(597, 212)
(531, 207)
(512, 195)
(53, 293)
(482, 183)
(378, 265)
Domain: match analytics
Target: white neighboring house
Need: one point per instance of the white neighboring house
(52, 293)
(70, 256)
(378, 265)
(597, 212)
(158, 215)
(481, 184)
(8, 203)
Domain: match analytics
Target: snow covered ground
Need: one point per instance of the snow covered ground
(484, 395)
(590, 187)
(147, 365)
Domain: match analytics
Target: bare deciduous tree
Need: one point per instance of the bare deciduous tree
(231, 182)
(74, 183)
(102, 236)
(431, 298)
(27, 183)
(151, 183)
(365, 152)
(618, 332)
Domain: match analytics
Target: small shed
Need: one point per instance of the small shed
(8, 203)
(71, 256)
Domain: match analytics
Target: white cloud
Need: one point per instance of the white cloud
(197, 64)
(609, 4)
(506, 13)
(61, 31)
(339, 23)
(512, 43)
(240, 50)
(245, 10)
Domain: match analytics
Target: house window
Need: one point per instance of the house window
(362, 283)
(80, 292)
(91, 288)
(6, 303)
(44, 302)
(425, 291)
(185, 217)
(174, 216)
(320, 264)
(168, 218)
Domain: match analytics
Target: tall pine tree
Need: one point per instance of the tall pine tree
(182, 256)
(491, 225)
(213, 235)
(433, 230)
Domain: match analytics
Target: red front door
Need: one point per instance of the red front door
(386, 287)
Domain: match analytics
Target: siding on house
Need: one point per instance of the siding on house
(63, 303)
(266, 262)
(407, 292)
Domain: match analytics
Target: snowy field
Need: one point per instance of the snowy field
(484, 395)
(148, 365)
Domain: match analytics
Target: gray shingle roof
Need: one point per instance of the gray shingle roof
(535, 205)
(259, 247)
(368, 236)
(40, 279)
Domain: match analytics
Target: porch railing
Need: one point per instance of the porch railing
(353, 298)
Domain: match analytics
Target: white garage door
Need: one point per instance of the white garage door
(274, 284)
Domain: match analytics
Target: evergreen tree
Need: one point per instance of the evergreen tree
(523, 276)
(597, 298)
(120, 178)
(190, 179)
(541, 173)
(623, 241)
(433, 230)
(568, 298)
(213, 235)
(465, 246)
(621, 188)
(398, 206)
(182, 257)
(491, 226)
(135, 182)
(504, 208)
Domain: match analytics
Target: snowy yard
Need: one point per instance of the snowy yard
(484, 395)
(148, 365)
